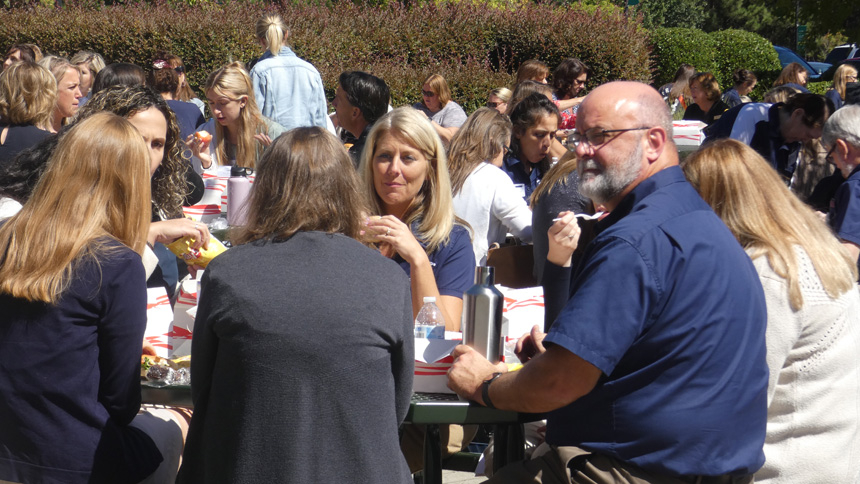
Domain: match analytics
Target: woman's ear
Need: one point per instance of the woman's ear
(243, 100)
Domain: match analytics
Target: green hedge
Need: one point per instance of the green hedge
(476, 48)
(676, 46)
(720, 52)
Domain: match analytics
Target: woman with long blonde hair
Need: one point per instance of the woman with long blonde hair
(406, 180)
(73, 296)
(288, 89)
(239, 131)
(844, 74)
(813, 307)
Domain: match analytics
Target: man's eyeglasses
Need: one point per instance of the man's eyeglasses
(829, 156)
(594, 138)
(179, 69)
(428, 93)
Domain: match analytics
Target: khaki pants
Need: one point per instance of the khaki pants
(453, 439)
(573, 465)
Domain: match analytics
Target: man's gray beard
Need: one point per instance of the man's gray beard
(613, 180)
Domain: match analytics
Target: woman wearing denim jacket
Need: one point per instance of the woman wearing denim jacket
(288, 90)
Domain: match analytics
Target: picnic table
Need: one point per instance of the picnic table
(430, 409)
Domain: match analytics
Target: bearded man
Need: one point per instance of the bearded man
(654, 371)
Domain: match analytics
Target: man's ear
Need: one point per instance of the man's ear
(656, 139)
(356, 113)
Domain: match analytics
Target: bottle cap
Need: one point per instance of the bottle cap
(429, 299)
(237, 170)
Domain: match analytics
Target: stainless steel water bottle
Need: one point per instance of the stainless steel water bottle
(482, 315)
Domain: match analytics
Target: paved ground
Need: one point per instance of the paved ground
(455, 477)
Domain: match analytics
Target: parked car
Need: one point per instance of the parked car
(828, 74)
(787, 56)
(842, 52)
(820, 67)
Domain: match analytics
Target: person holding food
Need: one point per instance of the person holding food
(173, 182)
(288, 357)
(406, 179)
(73, 296)
(239, 132)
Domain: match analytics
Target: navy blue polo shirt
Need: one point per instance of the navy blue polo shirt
(758, 125)
(453, 263)
(528, 182)
(844, 216)
(669, 307)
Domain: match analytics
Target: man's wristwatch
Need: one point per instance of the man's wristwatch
(485, 390)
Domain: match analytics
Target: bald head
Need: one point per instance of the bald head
(629, 132)
(639, 102)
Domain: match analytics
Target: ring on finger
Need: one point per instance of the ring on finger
(388, 231)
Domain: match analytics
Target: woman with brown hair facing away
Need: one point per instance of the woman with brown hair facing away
(184, 91)
(299, 288)
(73, 295)
(813, 315)
(164, 79)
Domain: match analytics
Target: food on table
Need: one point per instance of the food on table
(201, 257)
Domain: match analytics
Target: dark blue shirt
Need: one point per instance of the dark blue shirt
(844, 216)
(70, 379)
(758, 125)
(670, 309)
(453, 263)
(528, 182)
(188, 116)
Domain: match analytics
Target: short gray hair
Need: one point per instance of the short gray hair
(844, 124)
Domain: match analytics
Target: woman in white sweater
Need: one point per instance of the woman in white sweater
(813, 324)
(484, 195)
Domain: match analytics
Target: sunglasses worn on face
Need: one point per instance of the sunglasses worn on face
(492, 105)
(179, 69)
(428, 93)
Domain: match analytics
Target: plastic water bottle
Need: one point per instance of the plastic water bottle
(238, 191)
(430, 324)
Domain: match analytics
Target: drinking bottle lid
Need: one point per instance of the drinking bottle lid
(237, 170)
(429, 299)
